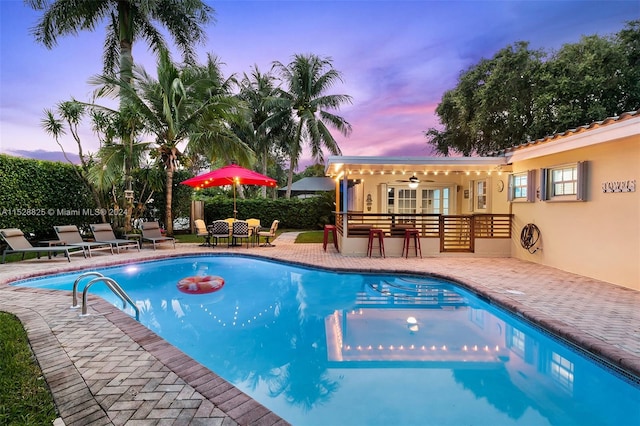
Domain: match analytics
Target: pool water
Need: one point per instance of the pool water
(325, 348)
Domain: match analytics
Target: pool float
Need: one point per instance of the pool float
(200, 284)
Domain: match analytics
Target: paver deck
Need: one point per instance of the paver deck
(108, 369)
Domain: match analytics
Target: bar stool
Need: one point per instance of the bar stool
(373, 235)
(325, 240)
(411, 234)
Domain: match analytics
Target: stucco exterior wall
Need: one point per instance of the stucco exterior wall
(598, 238)
(374, 186)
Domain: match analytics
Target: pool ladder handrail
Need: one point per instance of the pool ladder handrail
(113, 286)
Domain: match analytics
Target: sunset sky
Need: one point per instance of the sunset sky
(397, 58)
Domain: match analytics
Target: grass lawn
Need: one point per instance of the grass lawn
(24, 397)
(310, 237)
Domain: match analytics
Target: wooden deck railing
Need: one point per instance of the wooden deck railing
(456, 232)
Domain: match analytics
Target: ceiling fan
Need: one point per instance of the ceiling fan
(413, 181)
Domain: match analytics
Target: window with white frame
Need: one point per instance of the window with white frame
(562, 370)
(407, 200)
(567, 182)
(436, 200)
(564, 181)
(522, 186)
(480, 195)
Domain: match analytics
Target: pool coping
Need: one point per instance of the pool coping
(243, 410)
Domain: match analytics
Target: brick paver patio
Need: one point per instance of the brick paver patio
(107, 368)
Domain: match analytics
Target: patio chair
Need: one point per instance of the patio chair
(254, 228)
(202, 231)
(71, 235)
(239, 232)
(151, 232)
(271, 233)
(17, 243)
(103, 233)
(220, 231)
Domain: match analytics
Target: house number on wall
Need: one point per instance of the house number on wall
(619, 186)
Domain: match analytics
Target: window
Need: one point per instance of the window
(391, 196)
(403, 200)
(522, 186)
(562, 371)
(516, 341)
(564, 183)
(407, 201)
(435, 200)
(479, 191)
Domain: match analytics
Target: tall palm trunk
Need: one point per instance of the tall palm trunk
(169, 195)
(293, 163)
(264, 169)
(290, 178)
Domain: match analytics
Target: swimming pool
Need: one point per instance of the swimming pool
(319, 347)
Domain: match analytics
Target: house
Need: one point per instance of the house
(568, 201)
(310, 186)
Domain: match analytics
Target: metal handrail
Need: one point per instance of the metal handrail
(116, 289)
(75, 286)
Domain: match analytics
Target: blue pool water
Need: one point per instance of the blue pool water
(325, 348)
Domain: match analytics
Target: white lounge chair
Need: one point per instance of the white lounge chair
(103, 233)
(71, 235)
(17, 243)
(151, 232)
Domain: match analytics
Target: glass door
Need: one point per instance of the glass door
(436, 200)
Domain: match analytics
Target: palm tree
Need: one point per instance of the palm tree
(126, 21)
(212, 137)
(308, 78)
(120, 154)
(182, 105)
(256, 88)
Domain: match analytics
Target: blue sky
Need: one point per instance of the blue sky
(397, 58)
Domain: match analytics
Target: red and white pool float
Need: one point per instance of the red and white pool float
(200, 284)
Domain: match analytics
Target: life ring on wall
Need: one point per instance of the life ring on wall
(200, 284)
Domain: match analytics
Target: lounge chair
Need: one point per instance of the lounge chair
(103, 233)
(202, 231)
(271, 233)
(71, 235)
(151, 232)
(17, 243)
(220, 231)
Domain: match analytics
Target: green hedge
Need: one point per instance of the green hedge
(37, 195)
(309, 213)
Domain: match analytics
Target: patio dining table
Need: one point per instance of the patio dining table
(254, 227)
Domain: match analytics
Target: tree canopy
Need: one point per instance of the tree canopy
(126, 21)
(522, 94)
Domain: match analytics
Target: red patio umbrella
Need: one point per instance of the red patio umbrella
(230, 175)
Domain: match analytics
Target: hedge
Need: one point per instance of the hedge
(37, 195)
(308, 213)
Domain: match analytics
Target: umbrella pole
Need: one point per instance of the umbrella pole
(235, 211)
